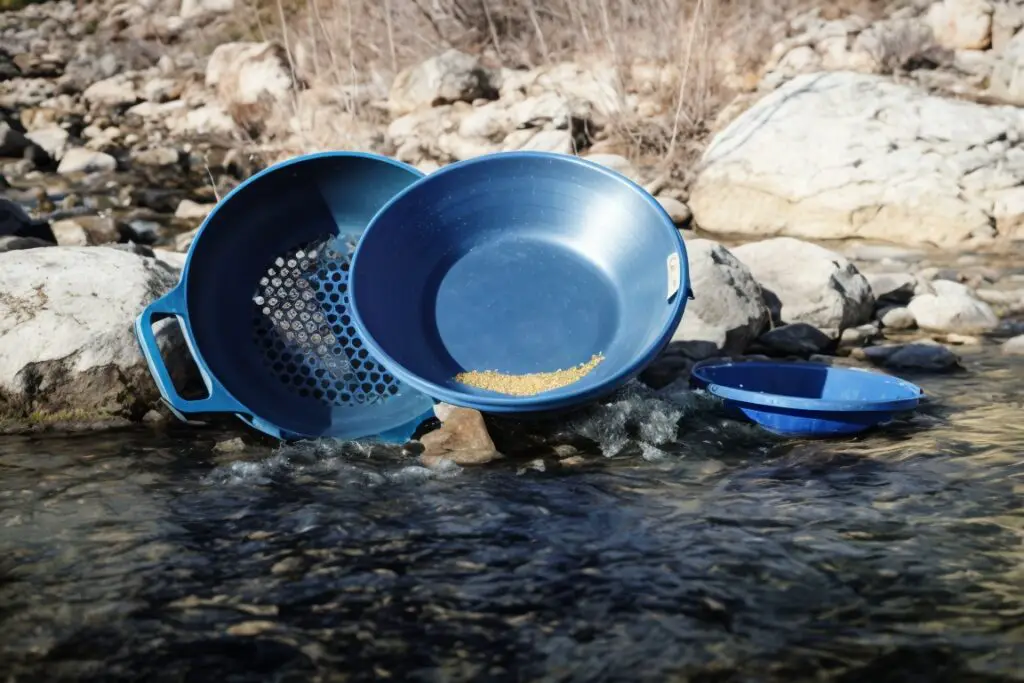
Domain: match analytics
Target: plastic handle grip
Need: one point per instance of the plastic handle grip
(218, 400)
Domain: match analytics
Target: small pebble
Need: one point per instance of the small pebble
(235, 445)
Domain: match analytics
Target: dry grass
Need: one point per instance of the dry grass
(711, 47)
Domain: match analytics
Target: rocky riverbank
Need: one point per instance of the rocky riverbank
(121, 124)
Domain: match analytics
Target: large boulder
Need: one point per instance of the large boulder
(727, 312)
(807, 283)
(67, 345)
(840, 155)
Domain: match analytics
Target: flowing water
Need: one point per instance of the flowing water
(711, 552)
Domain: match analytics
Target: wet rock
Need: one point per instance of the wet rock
(462, 438)
(1014, 346)
(190, 210)
(9, 243)
(898, 318)
(235, 445)
(806, 283)
(921, 356)
(250, 79)
(892, 288)
(839, 155)
(727, 312)
(961, 24)
(666, 369)
(797, 339)
(81, 160)
(66, 333)
(676, 210)
(452, 76)
(951, 307)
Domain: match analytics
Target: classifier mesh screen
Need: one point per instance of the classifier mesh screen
(301, 321)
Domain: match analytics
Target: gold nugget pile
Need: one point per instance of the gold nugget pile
(529, 384)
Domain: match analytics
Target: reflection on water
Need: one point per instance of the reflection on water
(715, 554)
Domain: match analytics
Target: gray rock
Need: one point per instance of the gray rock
(918, 356)
(142, 232)
(81, 160)
(190, 210)
(9, 243)
(156, 156)
(806, 283)
(67, 344)
(837, 155)
(727, 312)
(452, 76)
(952, 308)
(797, 339)
(860, 334)
(894, 288)
(1014, 346)
(898, 318)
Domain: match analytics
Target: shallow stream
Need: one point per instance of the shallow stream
(711, 552)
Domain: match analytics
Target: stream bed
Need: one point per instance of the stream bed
(717, 554)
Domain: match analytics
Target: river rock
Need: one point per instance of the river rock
(117, 91)
(462, 438)
(840, 155)
(922, 356)
(82, 160)
(451, 76)
(952, 308)
(192, 211)
(1014, 346)
(53, 140)
(961, 24)
(797, 339)
(15, 222)
(893, 288)
(67, 346)
(806, 283)
(727, 312)
(898, 318)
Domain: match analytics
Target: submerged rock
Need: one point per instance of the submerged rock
(806, 283)
(462, 438)
(67, 345)
(921, 356)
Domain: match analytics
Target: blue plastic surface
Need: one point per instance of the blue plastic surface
(807, 399)
(263, 305)
(519, 262)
